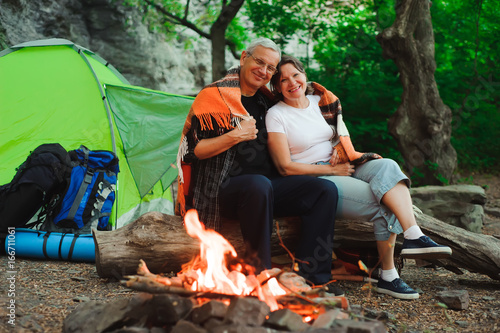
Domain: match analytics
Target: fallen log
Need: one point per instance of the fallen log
(162, 242)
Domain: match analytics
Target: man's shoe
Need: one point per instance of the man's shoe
(332, 288)
(397, 288)
(424, 248)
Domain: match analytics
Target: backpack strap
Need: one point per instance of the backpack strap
(45, 238)
(83, 187)
(72, 247)
(59, 252)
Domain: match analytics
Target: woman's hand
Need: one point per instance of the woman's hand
(344, 169)
(335, 158)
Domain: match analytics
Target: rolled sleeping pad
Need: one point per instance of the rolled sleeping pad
(51, 245)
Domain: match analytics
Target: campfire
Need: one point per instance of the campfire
(216, 273)
(209, 272)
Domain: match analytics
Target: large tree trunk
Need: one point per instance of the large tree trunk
(218, 37)
(422, 123)
(162, 242)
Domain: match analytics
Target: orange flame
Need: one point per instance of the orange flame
(210, 267)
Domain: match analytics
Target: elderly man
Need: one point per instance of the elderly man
(232, 175)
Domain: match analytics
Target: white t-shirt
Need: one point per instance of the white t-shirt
(307, 132)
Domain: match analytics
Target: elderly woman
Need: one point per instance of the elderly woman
(307, 136)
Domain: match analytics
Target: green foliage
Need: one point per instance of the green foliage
(156, 21)
(348, 61)
(467, 52)
(281, 20)
(416, 176)
(237, 32)
(351, 65)
(434, 167)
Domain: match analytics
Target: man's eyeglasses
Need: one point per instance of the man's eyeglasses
(269, 68)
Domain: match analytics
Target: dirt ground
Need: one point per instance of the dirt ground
(45, 292)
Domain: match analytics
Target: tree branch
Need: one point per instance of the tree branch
(179, 20)
(186, 9)
(225, 17)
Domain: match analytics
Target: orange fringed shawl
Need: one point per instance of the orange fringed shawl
(331, 110)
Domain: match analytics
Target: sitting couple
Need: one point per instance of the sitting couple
(303, 164)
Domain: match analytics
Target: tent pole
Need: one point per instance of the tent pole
(110, 120)
(104, 101)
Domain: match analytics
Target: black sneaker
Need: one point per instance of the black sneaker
(332, 288)
(424, 248)
(397, 288)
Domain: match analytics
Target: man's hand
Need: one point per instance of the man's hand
(246, 131)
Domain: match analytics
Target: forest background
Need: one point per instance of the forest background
(342, 53)
(336, 40)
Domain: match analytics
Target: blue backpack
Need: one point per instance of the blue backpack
(90, 194)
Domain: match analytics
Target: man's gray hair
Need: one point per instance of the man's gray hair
(264, 42)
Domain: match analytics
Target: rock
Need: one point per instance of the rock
(294, 282)
(326, 319)
(184, 326)
(81, 299)
(241, 329)
(212, 309)
(460, 193)
(454, 299)
(458, 205)
(246, 311)
(138, 311)
(118, 34)
(286, 319)
(492, 211)
(212, 323)
(88, 316)
(378, 314)
(157, 330)
(29, 322)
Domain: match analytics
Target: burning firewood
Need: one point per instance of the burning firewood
(147, 284)
(305, 301)
(209, 275)
(168, 281)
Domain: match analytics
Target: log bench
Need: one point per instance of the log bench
(162, 242)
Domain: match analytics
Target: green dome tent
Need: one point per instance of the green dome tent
(54, 91)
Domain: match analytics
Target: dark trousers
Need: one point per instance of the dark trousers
(255, 199)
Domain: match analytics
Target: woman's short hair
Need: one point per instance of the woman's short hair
(275, 80)
(264, 42)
